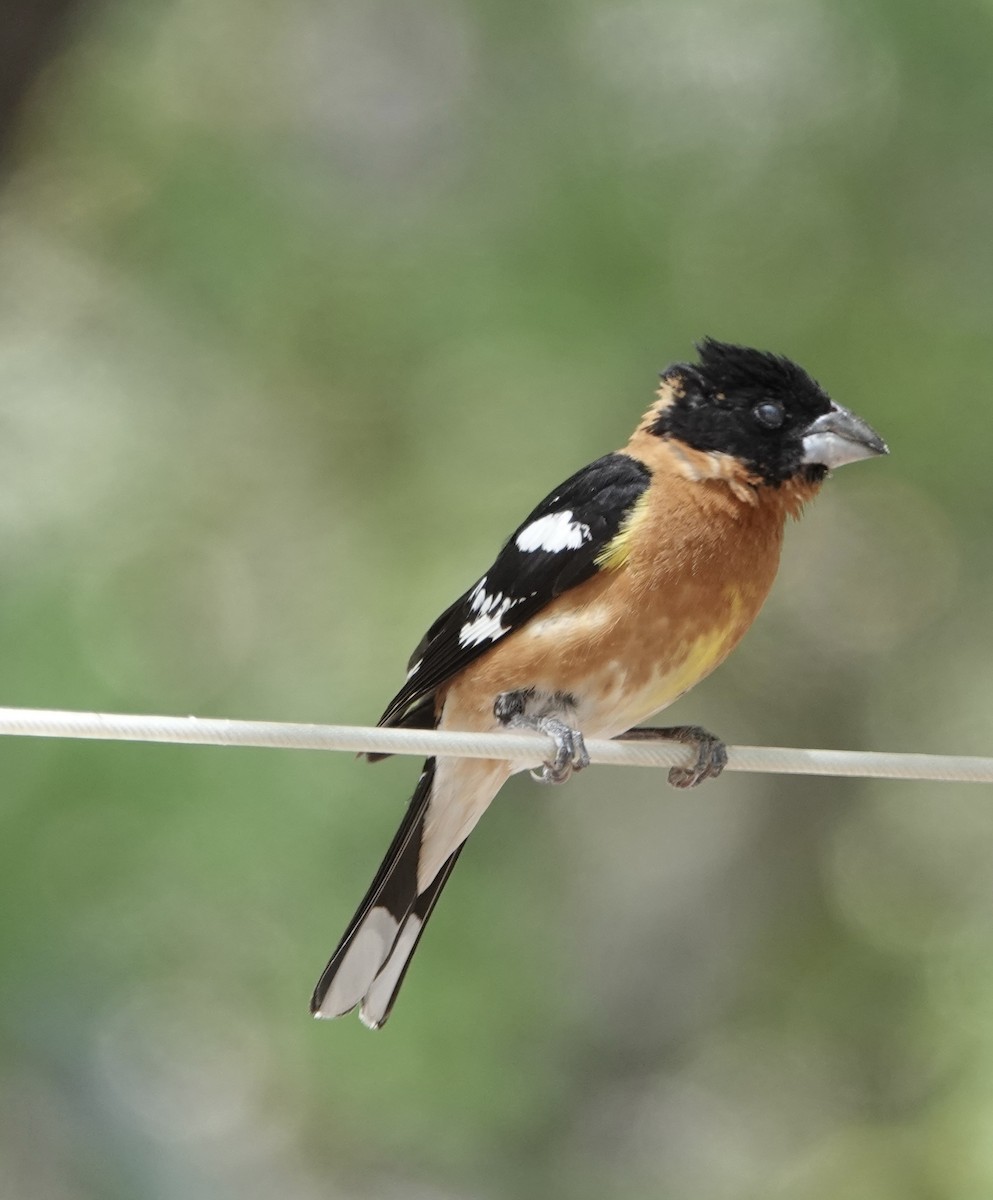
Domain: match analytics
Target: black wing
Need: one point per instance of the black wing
(555, 548)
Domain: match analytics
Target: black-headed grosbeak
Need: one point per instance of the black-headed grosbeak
(625, 587)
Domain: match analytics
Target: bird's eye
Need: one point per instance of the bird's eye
(770, 414)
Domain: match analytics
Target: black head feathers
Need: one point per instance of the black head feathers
(744, 372)
(751, 404)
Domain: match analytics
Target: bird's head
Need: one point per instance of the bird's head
(761, 409)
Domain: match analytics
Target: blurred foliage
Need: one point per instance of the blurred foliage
(302, 306)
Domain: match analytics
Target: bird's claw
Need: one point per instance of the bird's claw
(510, 709)
(570, 752)
(711, 752)
(711, 758)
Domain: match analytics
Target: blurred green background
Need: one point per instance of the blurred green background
(302, 307)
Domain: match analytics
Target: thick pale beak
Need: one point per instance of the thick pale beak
(840, 437)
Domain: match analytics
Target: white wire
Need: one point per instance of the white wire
(28, 722)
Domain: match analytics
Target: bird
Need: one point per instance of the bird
(620, 591)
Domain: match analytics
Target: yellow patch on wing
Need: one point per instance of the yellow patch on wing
(615, 554)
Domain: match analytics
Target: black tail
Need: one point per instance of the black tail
(373, 955)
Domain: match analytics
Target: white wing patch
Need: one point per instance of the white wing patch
(557, 531)
(488, 626)
(478, 598)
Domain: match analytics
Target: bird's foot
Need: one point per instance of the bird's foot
(510, 710)
(570, 749)
(711, 752)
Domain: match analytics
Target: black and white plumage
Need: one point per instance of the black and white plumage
(377, 946)
(626, 586)
(554, 548)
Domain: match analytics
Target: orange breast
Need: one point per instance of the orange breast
(629, 641)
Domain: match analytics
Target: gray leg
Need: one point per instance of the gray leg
(711, 752)
(526, 709)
